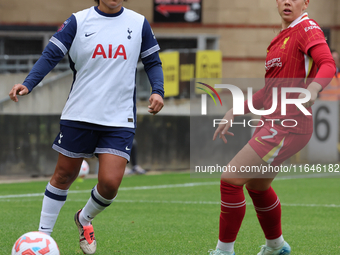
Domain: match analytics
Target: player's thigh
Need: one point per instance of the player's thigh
(268, 147)
(111, 171)
(260, 184)
(113, 150)
(274, 146)
(66, 171)
(245, 160)
(73, 144)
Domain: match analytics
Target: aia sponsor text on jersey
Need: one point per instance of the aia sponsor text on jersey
(109, 51)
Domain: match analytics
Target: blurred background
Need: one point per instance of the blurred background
(198, 39)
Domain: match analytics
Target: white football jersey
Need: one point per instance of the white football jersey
(104, 51)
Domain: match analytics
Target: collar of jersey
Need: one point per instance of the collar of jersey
(109, 15)
(303, 17)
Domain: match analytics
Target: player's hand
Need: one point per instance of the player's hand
(314, 89)
(156, 104)
(18, 89)
(222, 129)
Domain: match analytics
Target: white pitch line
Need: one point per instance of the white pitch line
(311, 205)
(211, 203)
(183, 185)
(182, 202)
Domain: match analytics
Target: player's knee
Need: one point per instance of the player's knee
(259, 185)
(64, 177)
(234, 181)
(109, 187)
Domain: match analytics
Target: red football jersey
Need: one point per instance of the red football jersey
(287, 54)
(289, 65)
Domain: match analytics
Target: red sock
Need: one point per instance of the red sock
(233, 209)
(268, 209)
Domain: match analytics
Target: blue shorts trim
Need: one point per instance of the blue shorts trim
(113, 152)
(71, 154)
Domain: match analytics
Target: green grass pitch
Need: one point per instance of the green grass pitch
(175, 214)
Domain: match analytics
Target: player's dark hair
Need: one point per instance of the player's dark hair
(97, 1)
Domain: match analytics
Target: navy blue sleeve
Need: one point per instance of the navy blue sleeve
(55, 50)
(151, 60)
(63, 38)
(149, 42)
(153, 68)
(49, 59)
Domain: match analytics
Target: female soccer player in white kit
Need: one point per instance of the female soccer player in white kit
(103, 43)
(300, 52)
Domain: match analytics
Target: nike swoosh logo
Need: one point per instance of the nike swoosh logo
(44, 228)
(87, 35)
(257, 140)
(127, 148)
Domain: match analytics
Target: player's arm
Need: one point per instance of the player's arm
(153, 68)
(55, 50)
(48, 60)
(224, 126)
(324, 61)
(312, 42)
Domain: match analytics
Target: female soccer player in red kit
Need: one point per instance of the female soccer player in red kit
(299, 51)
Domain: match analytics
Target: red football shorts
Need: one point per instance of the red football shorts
(275, 144)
